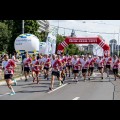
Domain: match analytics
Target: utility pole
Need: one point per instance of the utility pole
(118, 41)
(22, 26)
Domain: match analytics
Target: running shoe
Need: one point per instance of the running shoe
(47, 78)
(60, 83)
(33, 79)
(88, 78)
(15, 82)
(26, 80)
(102, 78)
(50, 88)
(76, 80)
(12, 93)
(69, 75)
(38, 82)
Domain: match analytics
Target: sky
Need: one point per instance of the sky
(100, 26)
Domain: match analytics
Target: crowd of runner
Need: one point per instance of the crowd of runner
(59, 66)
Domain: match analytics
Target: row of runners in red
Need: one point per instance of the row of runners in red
(60, 66)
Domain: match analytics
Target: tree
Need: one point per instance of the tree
(60, 38)
(31, 26)
(4, 36)
(43, 36)
(15, 29)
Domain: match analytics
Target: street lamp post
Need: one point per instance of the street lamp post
(22, 26)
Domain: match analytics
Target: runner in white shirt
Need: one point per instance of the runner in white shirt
(85, 65)
(116, 66)
(100, 63)
(8, 66)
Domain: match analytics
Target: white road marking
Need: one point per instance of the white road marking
(58, 88)
(4, 94)
(76, 98)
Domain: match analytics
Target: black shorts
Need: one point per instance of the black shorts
(69, 66)
(75, 71)
(108, 66)
(115, 71)
(8, 76)
(56, 73)
(91, 69)
(99, 68)
(46, 68)
(26, 69)
(84, 70)
(64, 68)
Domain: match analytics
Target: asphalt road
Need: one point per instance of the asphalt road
(95, 89)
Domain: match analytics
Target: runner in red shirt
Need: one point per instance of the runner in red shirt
(47, 65)
(41, 64)
(85, 65)
(108, 61)
(76, 63)
(63, 69)
(116, 66)
(69, 64)
(8, 66)
(35, 68)
(27, 63)
(56, 65)
(100, 63)
(91, 66)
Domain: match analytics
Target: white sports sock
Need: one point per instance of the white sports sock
(12, 90)
(107, 72)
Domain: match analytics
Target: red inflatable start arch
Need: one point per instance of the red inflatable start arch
(84, 40)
